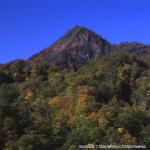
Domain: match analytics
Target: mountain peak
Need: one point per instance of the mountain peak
(79, 27)
(75, 48)
(78, 30)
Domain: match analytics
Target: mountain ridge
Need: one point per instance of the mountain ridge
(78, 46)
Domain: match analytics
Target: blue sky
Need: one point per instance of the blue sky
(27, 26)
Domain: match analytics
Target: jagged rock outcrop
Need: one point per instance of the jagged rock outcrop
(76, 48)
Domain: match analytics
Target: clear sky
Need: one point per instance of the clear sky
(27, 26)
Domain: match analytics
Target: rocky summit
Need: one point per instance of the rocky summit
(76, 48)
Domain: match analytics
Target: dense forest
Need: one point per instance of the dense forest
(47, 107)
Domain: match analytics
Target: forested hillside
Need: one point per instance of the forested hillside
(105, 100)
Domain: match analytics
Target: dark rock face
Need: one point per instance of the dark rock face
(76, 48)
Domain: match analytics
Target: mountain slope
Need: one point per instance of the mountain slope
(133, 47)
(105, 102)
(76, 48)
